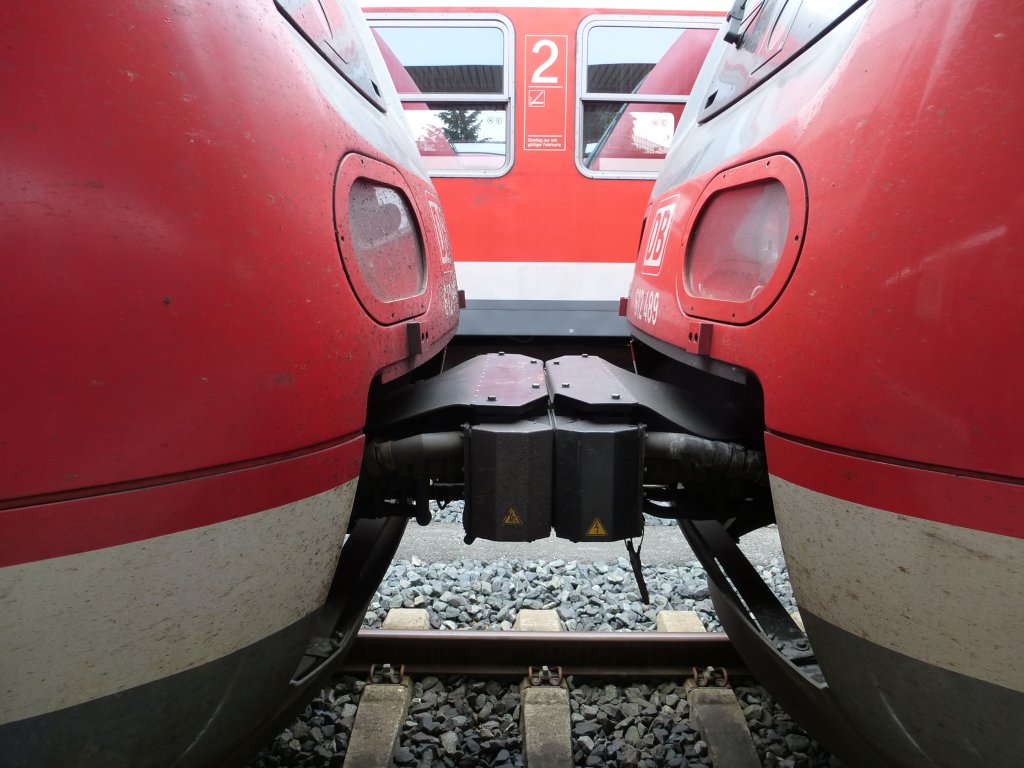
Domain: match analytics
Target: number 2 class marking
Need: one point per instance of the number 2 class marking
(544, 91)
(538, 77)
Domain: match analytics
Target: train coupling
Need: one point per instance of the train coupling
(575, 444)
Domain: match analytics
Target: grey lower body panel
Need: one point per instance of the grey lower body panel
(194, 717)
(868, 704)
(917, 713)
(541, 318)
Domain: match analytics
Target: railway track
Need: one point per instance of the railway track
(533, 696)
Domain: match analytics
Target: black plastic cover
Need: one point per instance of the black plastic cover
(509, 481)
(597, 480)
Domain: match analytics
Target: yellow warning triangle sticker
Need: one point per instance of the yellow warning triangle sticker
(597, 528)
(511, 518)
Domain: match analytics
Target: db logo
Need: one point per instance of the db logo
(442, 232)
(657, 239)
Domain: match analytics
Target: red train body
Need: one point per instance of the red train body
(575, 105)
(217, 236)
(835, 233)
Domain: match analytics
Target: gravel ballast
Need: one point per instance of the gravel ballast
(474, 594)
(458, 722)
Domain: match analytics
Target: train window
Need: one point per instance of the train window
(765, 37)
(325, 24)
(633, 79)
(452, 76)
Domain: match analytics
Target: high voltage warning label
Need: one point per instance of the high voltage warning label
(597, 528)
(511, 518)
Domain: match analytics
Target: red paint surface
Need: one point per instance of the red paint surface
(173, 297)
(108, 520)
(970, 502)
(899, 333)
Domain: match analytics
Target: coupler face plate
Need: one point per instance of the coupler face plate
(560, 445)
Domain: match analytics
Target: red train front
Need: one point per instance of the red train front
(836, 240)
(217, 237)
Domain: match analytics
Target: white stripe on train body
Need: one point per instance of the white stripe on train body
(150, 609)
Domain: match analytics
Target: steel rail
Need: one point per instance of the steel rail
(498, 653)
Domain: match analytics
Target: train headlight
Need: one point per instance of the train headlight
(385, 240)
(742, 240)
(380, 239)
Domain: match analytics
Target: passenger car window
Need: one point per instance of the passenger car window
(453, 80)
(634, 79)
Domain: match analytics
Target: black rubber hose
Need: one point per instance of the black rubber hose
(730, 459)
(388, 457)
